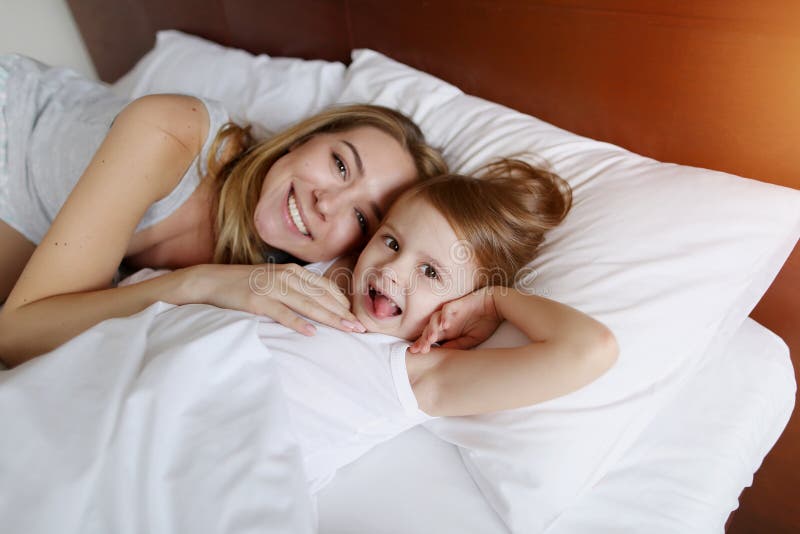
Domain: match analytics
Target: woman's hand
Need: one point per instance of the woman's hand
(281, 292)
(464, 322)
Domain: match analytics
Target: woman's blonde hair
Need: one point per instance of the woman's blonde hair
(237, 182)
(502, 213)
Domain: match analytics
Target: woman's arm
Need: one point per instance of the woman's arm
(63, 288)
(568, 351)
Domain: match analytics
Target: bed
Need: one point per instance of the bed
(679, 449)
(632, 74)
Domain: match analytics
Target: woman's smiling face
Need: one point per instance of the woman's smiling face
(326, 196)
(412, 265)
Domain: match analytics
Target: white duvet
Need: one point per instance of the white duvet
(121, 430)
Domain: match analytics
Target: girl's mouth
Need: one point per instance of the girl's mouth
(381, 305)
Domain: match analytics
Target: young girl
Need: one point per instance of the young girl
(88, 181)
(441, 267)
(425, 276)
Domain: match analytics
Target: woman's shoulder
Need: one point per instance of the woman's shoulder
(184, 118)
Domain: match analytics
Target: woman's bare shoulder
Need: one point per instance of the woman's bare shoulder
(181, 117)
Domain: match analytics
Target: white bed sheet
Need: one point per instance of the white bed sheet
(683, 474)
(172, 420)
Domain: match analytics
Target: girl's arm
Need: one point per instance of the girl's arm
(568, 351)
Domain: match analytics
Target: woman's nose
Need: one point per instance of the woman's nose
(329, 202)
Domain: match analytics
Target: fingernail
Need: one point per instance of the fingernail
(358, 327)
(309, 329)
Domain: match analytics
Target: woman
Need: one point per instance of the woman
(165, 182)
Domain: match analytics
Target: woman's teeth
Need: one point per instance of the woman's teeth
(295, 214)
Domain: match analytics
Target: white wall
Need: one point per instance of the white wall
(45, 30)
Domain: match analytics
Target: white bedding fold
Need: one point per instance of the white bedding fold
(121, 430)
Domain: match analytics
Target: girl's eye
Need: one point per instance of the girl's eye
(340, 166)
(391, 242)
(429, 271)
(362, 222)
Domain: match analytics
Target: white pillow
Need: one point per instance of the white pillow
(270, 93)
(669, 257)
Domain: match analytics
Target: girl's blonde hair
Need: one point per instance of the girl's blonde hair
(237, 182)
(502, 213)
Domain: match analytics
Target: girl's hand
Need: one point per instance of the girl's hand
(281, 292)
(464, 322)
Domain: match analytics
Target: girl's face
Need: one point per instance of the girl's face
(327, 195)
(413, 264)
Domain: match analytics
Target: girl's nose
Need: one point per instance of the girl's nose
(397, 272)
(389, 273)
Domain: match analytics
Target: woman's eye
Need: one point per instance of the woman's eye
(362, 222)
(429, 271)
(340, 166)
(391, 242)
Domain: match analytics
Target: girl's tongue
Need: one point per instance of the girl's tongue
(384, 307)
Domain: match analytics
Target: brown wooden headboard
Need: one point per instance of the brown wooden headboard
(712, 83)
